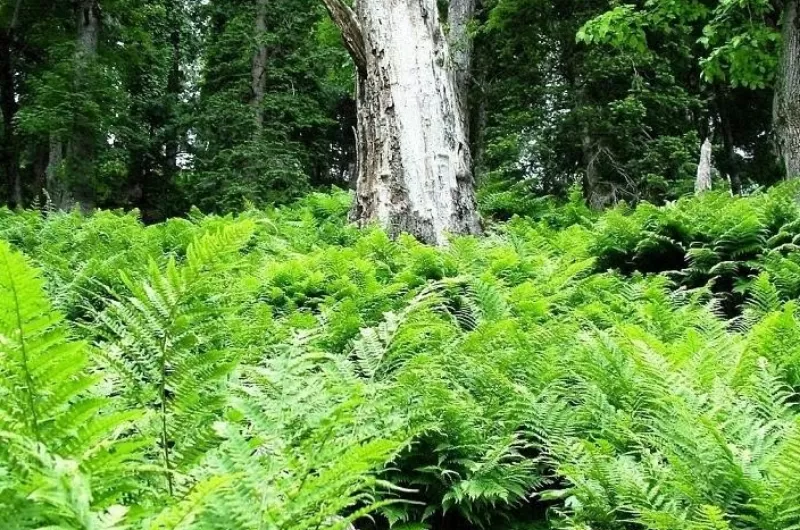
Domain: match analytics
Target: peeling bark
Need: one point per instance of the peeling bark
(347, 21)
(414, 162)
(786, 116)
(703, 181)
(258, 83)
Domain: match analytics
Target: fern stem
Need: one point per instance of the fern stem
(164, 436)
(24, 350)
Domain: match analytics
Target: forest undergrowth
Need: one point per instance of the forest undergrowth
(285, 370)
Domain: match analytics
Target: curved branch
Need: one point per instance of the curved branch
(344, 17)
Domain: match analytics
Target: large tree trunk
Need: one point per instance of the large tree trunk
(787, 92)
(80, 146)
(414, 162)
(259, 70)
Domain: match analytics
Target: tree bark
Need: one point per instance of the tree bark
(459, 15)
(703, 181)
(414, 162)
(80, 146)
(81, 143)
(259, 69)
(56, 191)
(786, 114)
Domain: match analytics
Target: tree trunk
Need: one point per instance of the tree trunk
(703, 182)
(414, 163)
(259, 71)
(174, 91)
(787, 92)
(459, 15)
(592, 193)
(80, 146)
(58, 195)
(8, 103)
(731, 163)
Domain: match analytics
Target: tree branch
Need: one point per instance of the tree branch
(344, 17)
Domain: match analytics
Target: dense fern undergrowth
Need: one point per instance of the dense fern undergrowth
(284, 370)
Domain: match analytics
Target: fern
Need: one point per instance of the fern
(164, 344)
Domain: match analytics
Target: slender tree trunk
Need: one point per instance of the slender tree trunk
(592, 193)
(174, 91)
(787, 92)
(703, 181)
(57, 192)
(731, 162)
(414, 162)
(259, 70)
(8, 103)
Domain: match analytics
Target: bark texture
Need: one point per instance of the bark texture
(703, 181)
(259, 71)
(459, 15)
(57, 193)
(81, 143)
(787, 92)
(414, 162)
(80, 146)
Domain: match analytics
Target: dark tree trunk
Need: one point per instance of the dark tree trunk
(174, 91)
(414, 162)
(259, 69)
(730, 165)
(787, 92)
(8, 103)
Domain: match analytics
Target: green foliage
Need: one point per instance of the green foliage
(282, 370)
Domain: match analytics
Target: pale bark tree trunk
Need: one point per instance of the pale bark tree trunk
(57, 194)
(414, 162)
(80, 145)
(703, 181)
(259, 69)
(787, 92)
